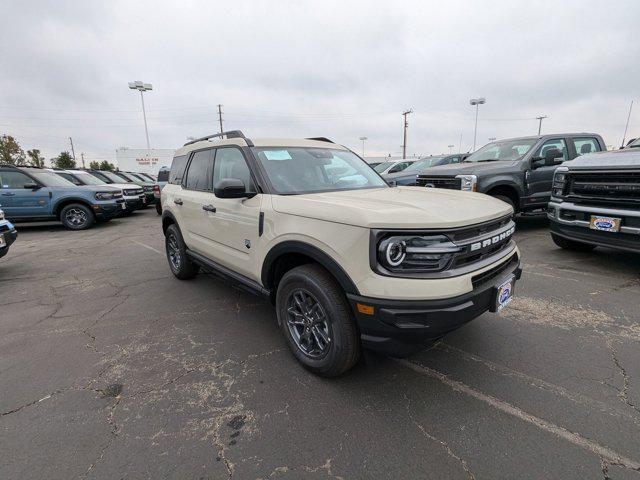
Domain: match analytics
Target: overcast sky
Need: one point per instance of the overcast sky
(340, 69)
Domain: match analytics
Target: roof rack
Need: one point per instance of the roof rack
(229, 134)
(321, 139)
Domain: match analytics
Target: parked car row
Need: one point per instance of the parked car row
(77, 198)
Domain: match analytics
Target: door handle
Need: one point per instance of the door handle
(178, 201)
(209, 208)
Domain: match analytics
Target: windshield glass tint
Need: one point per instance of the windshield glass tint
(507, 150)
(127, 178)
(49, 179)
(113, 177)
(294, 170)
(87, 179)
(422, 164)
(381, 167)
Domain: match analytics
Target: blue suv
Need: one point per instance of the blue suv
(28, 193)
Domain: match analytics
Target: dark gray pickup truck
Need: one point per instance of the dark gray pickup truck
(518, 171)
(596, 202)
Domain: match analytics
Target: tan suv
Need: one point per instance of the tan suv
(348, 260)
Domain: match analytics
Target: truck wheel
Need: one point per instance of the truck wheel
(158, 208)
(77, 217)
(180, 265)
(571, 244)
(317, 321)
(506, 199)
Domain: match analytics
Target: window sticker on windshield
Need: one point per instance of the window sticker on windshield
(277, 155)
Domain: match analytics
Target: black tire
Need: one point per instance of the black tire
(179, 263)
(506, 199)
(571, 244)
(159, 208)
(76, 216)
(342, 350)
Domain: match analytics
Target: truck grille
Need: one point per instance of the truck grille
(605, 187)
(451, 183)
(133, 191)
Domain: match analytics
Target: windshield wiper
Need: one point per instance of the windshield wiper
(483, 160)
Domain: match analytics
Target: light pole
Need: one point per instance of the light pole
(142, 87)
(406, 125)
(477, 102)
(363, 140)
(450, 148)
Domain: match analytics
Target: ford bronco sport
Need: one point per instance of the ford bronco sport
(348, 260)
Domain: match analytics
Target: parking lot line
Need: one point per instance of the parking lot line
(147, 246)
(603, 452)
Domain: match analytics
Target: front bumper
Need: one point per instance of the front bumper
(135, 203)
(402, 327)
(107, 210)
(571, 221)
(150, 197)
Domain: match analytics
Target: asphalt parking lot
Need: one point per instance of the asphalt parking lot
(111, 368)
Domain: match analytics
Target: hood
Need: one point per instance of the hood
(399, 207)
(615, 159)
(124, 185)
(471, 168)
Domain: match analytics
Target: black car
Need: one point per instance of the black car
(518, 171)
(409, 175)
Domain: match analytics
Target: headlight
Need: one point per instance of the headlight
(107, 195)
(468, 182)
(415, 253)
(559, 180)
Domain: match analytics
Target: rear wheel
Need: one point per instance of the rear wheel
(181, 266)
(317, 321)
(77, 217)
(571, 244)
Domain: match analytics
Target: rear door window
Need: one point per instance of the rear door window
(199, 173)
(586, 145)
(13, 179)
(177, 169)
(558, 143)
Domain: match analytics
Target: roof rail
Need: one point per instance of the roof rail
(321, 139)
(9, 165)
(229, 134)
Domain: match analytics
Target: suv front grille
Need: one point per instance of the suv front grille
(492, 273)
(451, 183)
(133, 191)
(615, 188)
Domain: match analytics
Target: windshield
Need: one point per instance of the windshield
(635, 143)
(295, 170)
(49, 179)
(87, 179)
(504, 150)
(424, 163)
(381, 167)
(138, 176)
(113, 177)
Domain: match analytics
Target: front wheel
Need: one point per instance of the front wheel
(317, 321)
(179, 263)
(571, 244)
(77, 217)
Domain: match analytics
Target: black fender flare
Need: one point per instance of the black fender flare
(294, 246)
(167, 215)
(56, 207)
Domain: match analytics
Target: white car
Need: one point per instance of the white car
(392, 166)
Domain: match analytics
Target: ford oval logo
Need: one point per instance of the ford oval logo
(505, 293)
(603, 224)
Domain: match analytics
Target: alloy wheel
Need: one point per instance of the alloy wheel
(76, 217)
(308, 324)
(173, 251)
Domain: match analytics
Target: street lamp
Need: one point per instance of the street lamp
(363, 140)
(450, 147)
(142, 87)
(477, 102)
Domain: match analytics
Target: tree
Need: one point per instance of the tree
(10, 151)
(64, 160)
(104, 165)
(35, 160)
(94, 165)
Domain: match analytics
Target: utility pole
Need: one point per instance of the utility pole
(142, 87)
(540, 123)
(624, 137)
(450, 147)
(476, 102)
(82, 157)
(73, 153)
(363, 140)
(460, 144)
(406, 125)
(220, 116)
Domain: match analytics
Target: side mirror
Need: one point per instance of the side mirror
(550, 156)
(392, 183)
(31, 186)
(230, 188)
(394, 170)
